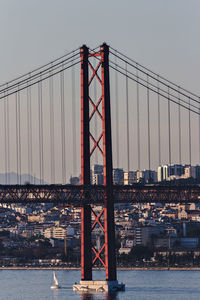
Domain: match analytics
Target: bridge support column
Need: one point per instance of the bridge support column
(86, 252)
(110, 258)
(105, 218)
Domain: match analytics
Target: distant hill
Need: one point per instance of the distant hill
(25, 178)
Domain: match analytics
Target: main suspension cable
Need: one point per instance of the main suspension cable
(153, 90)
(50, 64)
(38, 79)
(152, 85)
(155, 74)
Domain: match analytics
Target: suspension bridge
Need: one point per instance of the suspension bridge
(154, 122)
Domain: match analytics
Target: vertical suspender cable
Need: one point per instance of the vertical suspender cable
(8, 137)
(31, 134)
(199, 129)
(40, 113)
(74, 122)
(179, 122)
(63, 127)
(42, 143)
(19, 127)
(117, 112)
(29, 117)
(127, 122)
(189, 134)
(52, 148)
(138, 119)
(39, 125)
(28, 131)
(159, 141)
(148, 128)
(169, 128)
(5, 139)
(17, 138)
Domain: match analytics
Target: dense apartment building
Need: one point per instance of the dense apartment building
(177, 171)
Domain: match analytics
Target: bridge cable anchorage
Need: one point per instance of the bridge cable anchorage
(148, 131)
(49, 65)
(37, 79)
(74, 151)
(63, 127)
(52, 133)
(117, 113)
(179, 122)
(159, 129)
(154, 75)
(138, 118)
(127, 123)
(189, 134)
(151, 87)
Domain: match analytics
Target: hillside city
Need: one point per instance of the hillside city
(148, 234)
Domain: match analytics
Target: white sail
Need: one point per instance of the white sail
(55, 279)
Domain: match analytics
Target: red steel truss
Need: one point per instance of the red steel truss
(105, 219)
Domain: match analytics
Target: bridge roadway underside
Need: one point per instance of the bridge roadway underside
(77, 195)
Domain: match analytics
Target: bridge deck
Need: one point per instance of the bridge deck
(76, 195)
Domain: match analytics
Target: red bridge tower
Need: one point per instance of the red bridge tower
(105, 218)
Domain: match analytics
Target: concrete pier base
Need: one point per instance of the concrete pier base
(98, 286)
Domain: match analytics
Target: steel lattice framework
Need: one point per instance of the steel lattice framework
(78, 195)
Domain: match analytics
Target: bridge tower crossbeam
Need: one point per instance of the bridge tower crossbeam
(105, 218)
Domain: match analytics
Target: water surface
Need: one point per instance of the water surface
(35, 284)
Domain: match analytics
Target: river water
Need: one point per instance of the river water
(35, 284)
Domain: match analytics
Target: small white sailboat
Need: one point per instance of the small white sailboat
(56, 285)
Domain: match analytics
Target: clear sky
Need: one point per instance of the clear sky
(160, 34)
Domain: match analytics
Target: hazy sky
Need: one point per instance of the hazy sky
(161, 34)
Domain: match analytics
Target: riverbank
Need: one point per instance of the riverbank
(119, 269)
